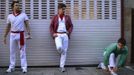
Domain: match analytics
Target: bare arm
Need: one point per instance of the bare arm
(27, 27)
(8, 27)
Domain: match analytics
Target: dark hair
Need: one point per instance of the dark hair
(122, 41)
(12, 5)
(61, 5)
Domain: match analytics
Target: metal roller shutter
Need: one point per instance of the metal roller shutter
(96, 24)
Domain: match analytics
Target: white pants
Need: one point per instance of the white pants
(14, 43)
(112, 60)
(61, 42)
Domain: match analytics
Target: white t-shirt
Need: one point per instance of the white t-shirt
(17, 22)
(62, 26)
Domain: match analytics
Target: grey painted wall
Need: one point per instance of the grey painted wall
(128, 5)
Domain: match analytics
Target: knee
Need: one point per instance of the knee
(112, 54)
(59, 48)
(64, 52)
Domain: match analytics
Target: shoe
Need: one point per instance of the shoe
(24, 70)
(99, 66)
(102, 66)
(113, 73)
(10, 70)
(62, 69)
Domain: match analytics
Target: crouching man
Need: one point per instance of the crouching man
(111, 53)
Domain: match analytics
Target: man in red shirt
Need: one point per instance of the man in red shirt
(61, 27)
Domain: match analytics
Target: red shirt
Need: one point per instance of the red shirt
(54, 24)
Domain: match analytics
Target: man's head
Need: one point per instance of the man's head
(15, 6)
(61, 8)
(121, 43)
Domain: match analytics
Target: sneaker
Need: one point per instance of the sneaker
(24, 70)
(10, 70)
(99, 66)
(113, 73)
(62, 69)
(102, 66)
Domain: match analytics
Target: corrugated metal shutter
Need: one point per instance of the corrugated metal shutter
(96, 24)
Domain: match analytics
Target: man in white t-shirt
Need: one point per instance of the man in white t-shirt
(15, 25)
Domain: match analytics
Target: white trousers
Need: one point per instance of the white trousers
(61, 42)
(14, 43)
(112, 60)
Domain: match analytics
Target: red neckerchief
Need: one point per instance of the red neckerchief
(17, 13)
(61, 16)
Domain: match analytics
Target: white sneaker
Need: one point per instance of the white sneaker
(10, 70)
(24, 70)
(113, 73)
(101, 65)
(62, 69)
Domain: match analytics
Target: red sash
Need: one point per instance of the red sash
(21, 37)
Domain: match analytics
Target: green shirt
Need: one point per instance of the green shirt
(114, 49)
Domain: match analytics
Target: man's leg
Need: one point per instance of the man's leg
(58, 43)
(64, 52)
(112, 64)
(23, 57)
(13, 45)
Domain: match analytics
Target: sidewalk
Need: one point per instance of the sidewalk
(69, 71)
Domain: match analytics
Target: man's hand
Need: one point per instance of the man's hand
(67, 33)
(115, 69)
(28, 37)
(106, 69)
(55, 35)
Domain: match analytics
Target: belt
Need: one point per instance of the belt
(21, 37)
(17, 31)
(61, 32)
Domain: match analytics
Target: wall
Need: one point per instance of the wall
(128, 5)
